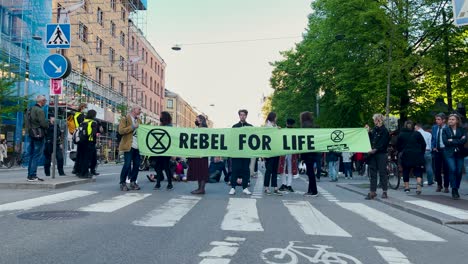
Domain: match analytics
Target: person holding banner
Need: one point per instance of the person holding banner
(240, 166)
(379, 139)
(310, 158)
(163, 163)
(198, 167)
(271, 163)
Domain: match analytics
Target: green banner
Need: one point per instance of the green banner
(248, 142)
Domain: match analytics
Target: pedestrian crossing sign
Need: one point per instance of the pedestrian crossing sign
(58, 36)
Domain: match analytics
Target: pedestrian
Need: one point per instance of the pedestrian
(3, 152)
(377, 156)
(427, 153)
(163, 163)
(411, 146)
(198, 167)
(438, 148)
(181, 166)
(49, 148)
(360, 161)
(454, 138)
(332, 157)
(78, 118)
(37, 124)
(310, 158)
(271, 163)
(128, 127)
(240, 166)
(288, 165)
(347, 164)
(88, 161)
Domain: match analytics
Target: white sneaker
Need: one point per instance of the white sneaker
(296, 176)
(246, 191)
(232, 191)
(127, 180)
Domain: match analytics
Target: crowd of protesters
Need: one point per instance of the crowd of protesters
(438, 152)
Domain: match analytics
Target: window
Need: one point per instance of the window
(85, 5)
(82, 64)
(162, 73)
(146, 57)
(145, 82)
(83, 32)
(7, 21)
(121, 88)
(138, 48)
(113, 5)
(143, 54)
(111, 81)
(146, 100)
(123, 14)
(162, 91)
(151, 64)
(151, 83)
(132, 44)
(170, 103)
(121, 63)
(100, 16)
(112, 28)
(157, 89)
(99, 44)
(98, 75)
(122, 38)
(111, 55)
(151, 105)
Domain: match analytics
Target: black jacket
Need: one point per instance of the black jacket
(379, 139)
(412, 146)
(453, 147)
(240, 124)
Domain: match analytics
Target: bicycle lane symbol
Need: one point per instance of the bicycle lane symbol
(291, 254)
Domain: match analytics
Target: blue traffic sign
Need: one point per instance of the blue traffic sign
(460, 12)
(58, 36)
(56, 66)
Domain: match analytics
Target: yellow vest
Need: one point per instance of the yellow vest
(75, 117)
(89, 129)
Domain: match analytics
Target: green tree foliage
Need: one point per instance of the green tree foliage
(351, 47)
(10, 102)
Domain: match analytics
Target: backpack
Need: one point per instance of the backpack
(71, 124)
(80, 135)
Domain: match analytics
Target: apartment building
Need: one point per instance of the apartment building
(183, 114)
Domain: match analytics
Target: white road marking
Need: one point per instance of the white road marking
(169, 213)
(312, 221)
(215, 261)
(241, 215)
(44, 200)
(118, 202)
(221, 250)
(391, 224)
(374, 239)
(392, 255)
(445, 209)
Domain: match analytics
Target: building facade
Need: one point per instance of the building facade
(183, 114)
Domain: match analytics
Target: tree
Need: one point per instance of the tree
(10, 101)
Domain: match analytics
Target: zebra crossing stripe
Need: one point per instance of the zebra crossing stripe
(445, 209)
(312, 221)
(114, 204)
(44, 200)
(392, 255)
(241, 215)
(391, 224)
(169, 213)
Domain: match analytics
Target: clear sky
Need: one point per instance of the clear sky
(229, 75)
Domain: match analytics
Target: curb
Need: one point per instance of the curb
(45, 185)
(412, 209)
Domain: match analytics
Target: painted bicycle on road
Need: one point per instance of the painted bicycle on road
(290, 255)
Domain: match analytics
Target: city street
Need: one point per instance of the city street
(97, 223)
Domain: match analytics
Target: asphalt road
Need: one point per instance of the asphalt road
(147, 226)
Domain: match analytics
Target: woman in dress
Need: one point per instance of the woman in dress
(198, 167)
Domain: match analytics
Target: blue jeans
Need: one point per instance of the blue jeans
(428, 167)
(348, 169)
(132, 156)
(35, 150)
(332, 170)
(454, 164)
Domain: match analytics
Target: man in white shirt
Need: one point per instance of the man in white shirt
(427, 154)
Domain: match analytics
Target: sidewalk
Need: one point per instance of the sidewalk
(435, 206)
(15, 178)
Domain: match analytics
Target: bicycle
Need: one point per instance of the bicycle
(393, 170)
(289, 255)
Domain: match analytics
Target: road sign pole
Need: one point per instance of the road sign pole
(54, 140)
